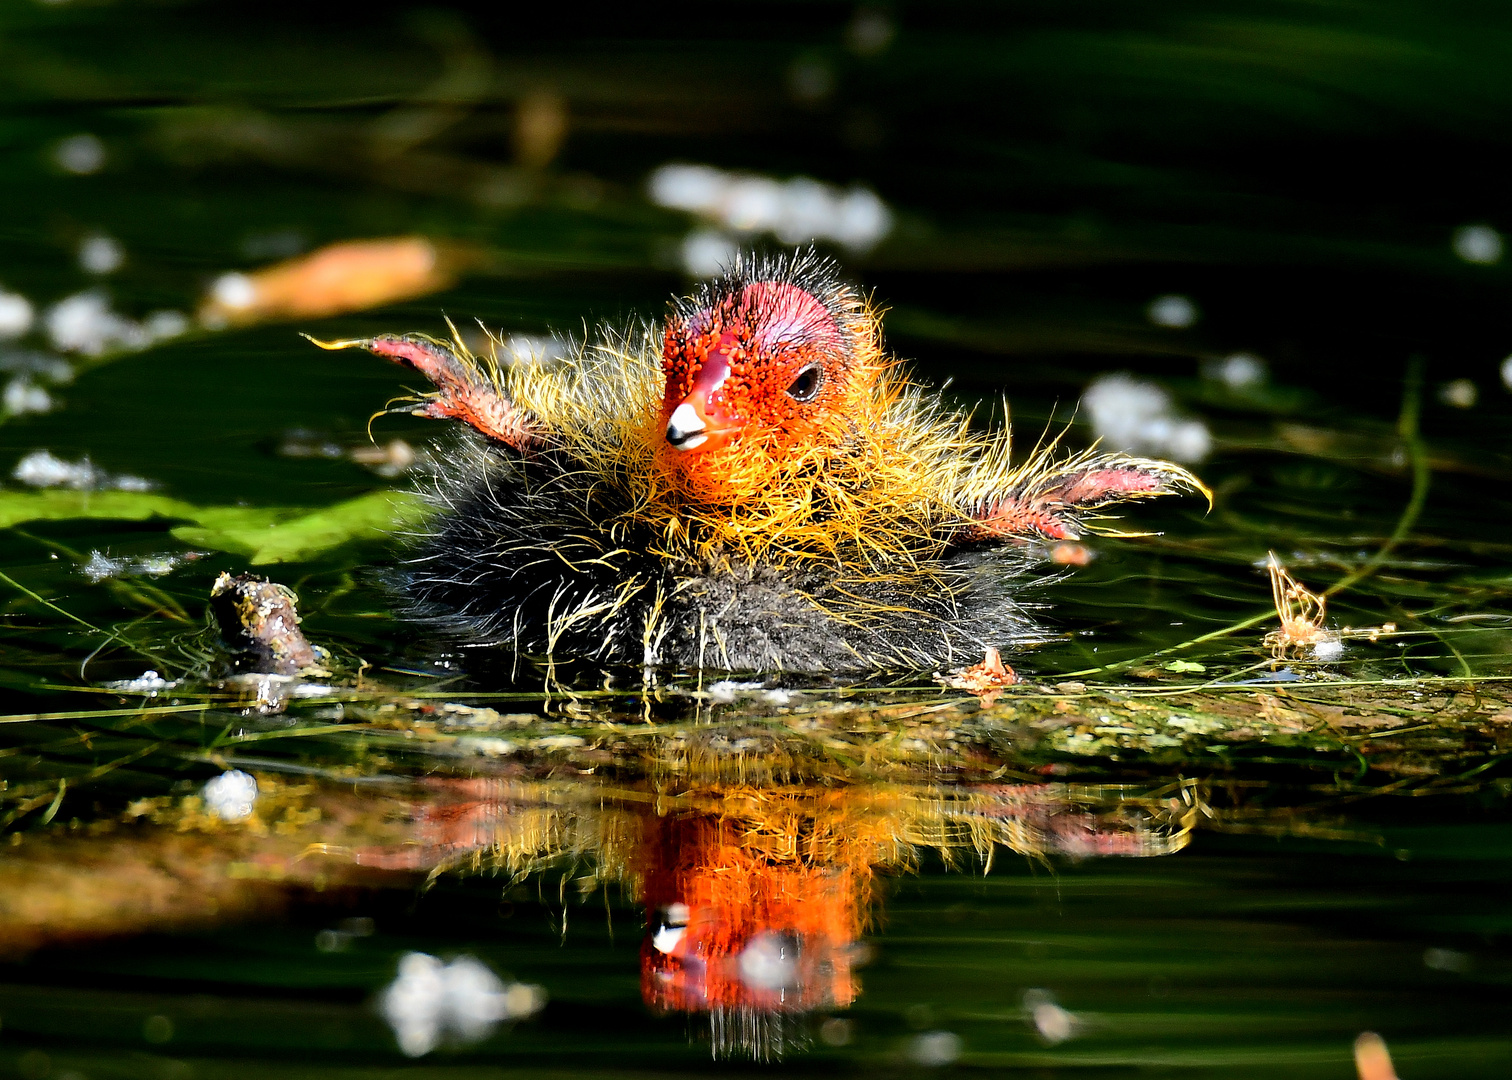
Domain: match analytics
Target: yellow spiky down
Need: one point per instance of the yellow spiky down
(886, 497)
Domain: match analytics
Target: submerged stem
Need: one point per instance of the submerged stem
(1417, 456)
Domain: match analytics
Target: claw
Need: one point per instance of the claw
(463, 391)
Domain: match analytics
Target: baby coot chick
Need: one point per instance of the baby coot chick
(753, 486)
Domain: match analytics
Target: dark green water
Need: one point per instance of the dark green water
(1188, 876)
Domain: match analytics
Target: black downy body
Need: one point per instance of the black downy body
(517, 552)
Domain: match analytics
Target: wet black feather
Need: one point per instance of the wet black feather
(523, 555)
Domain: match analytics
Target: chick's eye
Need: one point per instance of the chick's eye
(806, 386)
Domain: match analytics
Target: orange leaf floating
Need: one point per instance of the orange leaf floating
(1068, 553)
(986, 679)
(1372, 1059)
(350, 276)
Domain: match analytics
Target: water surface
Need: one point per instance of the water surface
(1167, 852)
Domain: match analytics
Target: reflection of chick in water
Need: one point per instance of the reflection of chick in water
(756, 903)
(756, 894)
(750, 935)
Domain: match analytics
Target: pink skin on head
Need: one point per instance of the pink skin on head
(723, 366)
(788, 314)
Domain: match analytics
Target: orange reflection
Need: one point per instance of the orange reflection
(757, 892)
(733, 925)
(757, 896)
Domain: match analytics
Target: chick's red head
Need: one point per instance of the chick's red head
(761, 367)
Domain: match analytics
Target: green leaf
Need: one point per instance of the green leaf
(265, 534)
(273, 536)
(1184, 665)
(19, 506)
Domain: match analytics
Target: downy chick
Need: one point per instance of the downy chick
(753, 486)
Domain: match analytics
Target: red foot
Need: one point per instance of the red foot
(1049, 506)
(463, 392)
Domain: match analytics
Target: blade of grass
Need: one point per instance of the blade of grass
(111, 634)
(139, 594)
(52, 810)
(1417, 456)
(87, 714)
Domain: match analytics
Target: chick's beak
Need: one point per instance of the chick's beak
(685, 430)
(701, 419)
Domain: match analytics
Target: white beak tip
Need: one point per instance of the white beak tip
(685, 429)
